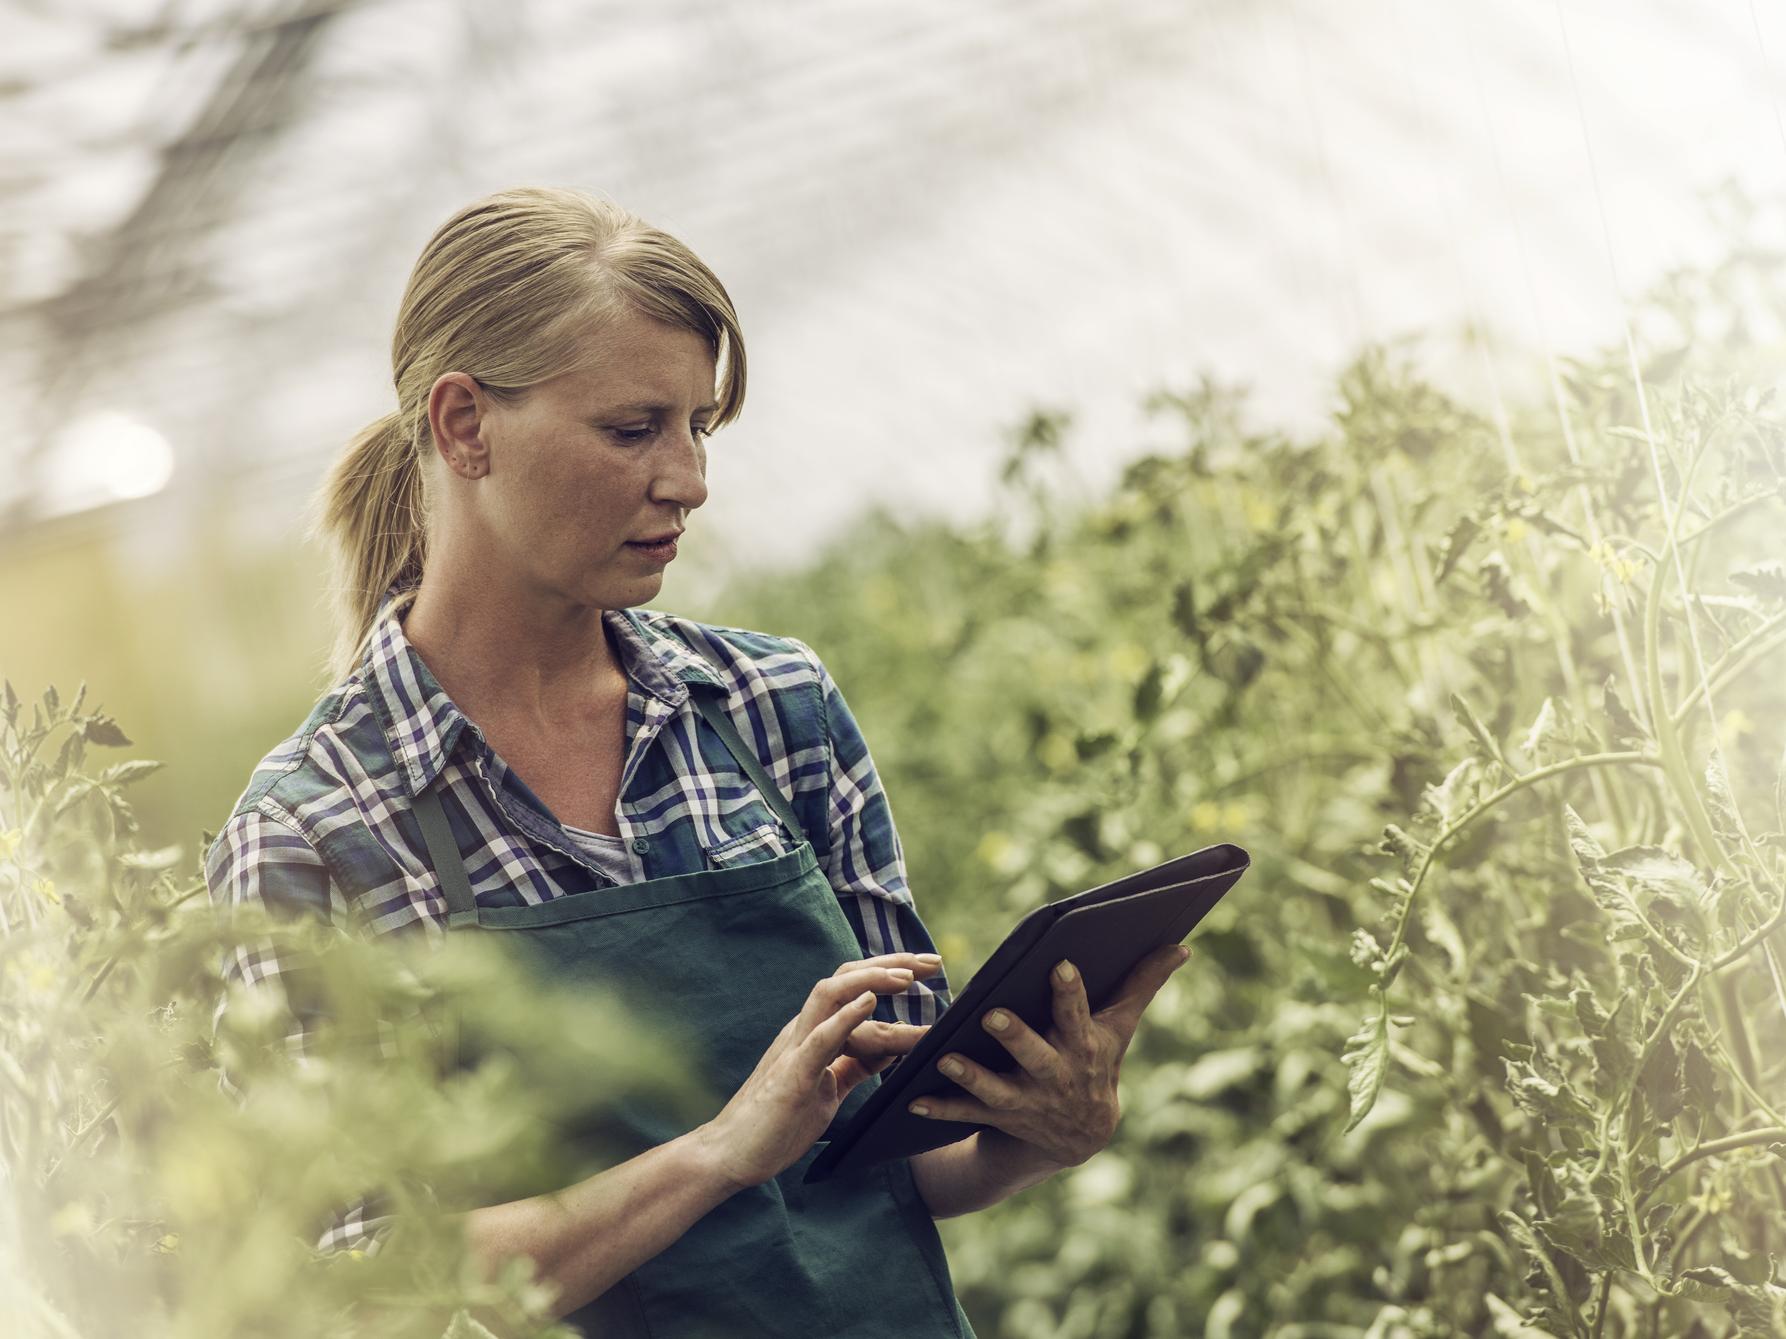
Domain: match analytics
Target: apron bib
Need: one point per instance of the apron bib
(728, 956)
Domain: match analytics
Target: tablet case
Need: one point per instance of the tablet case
(1105, 931)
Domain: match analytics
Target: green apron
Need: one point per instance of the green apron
(729, 956)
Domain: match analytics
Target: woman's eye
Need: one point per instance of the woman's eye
(633, 435)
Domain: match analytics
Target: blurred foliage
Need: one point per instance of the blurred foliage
(1489, 1040)
(145, 1199)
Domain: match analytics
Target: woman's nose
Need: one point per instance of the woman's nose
(684, 478)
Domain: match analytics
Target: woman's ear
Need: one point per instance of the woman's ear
(457, 415)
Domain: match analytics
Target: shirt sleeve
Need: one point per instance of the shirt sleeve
(259, 858)
(865, 863)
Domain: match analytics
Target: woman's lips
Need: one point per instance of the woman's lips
(663, 551)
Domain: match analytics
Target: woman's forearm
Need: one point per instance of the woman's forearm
(976, 1172)
(588, 1236)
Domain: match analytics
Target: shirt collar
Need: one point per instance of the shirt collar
(422, 724)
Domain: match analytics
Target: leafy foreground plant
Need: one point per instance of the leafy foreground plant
(1437, 674)
(143, 1199)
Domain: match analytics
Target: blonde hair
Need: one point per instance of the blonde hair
(504, 290)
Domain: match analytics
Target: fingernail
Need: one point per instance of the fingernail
(918, 1109)
(930, 957)
(951, 1066)
(996, 1022)
(1184, 953)
(1063, 970)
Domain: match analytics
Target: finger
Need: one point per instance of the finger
(955, 1108)
(1031, 1050)
(994, 1090)
(922, 965)
(1072, 1010)
(875, 1038)
(825, 1042)
(831, 993)
(849, 1071)
(1140, 986)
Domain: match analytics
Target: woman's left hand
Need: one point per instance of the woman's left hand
(1061, 1100)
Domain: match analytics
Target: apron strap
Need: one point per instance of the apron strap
(747, 759)
(443, 851)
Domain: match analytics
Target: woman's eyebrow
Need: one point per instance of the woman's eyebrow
(652, 407)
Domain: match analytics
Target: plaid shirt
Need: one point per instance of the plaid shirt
(316, 832)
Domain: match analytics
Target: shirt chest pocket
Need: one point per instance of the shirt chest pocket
(763, 842)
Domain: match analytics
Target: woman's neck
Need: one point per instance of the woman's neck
(512, 654)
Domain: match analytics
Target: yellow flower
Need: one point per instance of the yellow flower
(1258, 513)
(953, 947)
(1622, 569)
(1516, 529)
(72, 1219)
(1127, 661)
(356, 1253)
(36, 969)
(48, 888)
(994, 848)
(9, 843)
(1526, 483)
(1206, 815)
(1057, 752)
(1236, 813)
(1735, 725)
(1061, 581)
(169, 1242)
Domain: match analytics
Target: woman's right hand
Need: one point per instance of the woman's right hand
(810, 1067)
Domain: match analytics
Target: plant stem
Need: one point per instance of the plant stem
(1487, 803)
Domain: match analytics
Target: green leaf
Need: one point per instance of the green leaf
(1456, 793)
(1577, 1228)
(1521, 1232)
(1609, 890)
(163, 857)
(1509, 1323)
(1627, 732)
(1397, 842)
(70, 755)
(1614, 1041)
(1367, 1060)
(1184, 610)
(1470, 721)
(1767, 580)
(1148, 692)
(1701, 1077)
(1707, 1283)
(123, 773)
(1548, 1102)
(1721, 804)
(103, 730)
(463, 1326)
(1457, 541)
(1548, 728)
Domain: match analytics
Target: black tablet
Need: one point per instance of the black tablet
(1105, 931)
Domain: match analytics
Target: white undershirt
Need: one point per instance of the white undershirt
(608, 854)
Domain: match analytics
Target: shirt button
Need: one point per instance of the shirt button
(641, 845)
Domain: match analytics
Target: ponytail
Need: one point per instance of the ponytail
(372, 509)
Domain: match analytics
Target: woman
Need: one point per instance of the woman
(513, 744)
